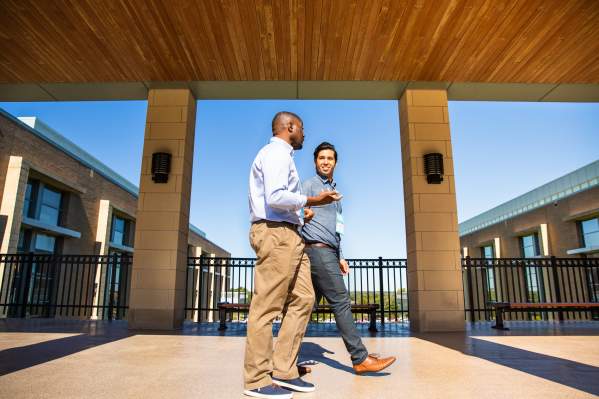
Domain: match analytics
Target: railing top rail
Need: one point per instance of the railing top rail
(366, 263)
(69, 257)
(524, 262)
(253, 259)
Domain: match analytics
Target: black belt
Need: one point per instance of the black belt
(287, 224)
(319, 245)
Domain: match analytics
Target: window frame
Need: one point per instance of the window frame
(581, 231)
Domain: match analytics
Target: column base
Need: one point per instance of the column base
(155, 319)
(438, 321)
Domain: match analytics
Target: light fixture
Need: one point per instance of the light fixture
(161, 166)
(433, 168)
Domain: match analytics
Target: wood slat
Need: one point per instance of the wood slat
(499, 41)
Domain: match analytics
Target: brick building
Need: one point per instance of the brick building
(58, 199)
(560, 218)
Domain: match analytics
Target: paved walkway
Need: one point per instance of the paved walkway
(72, 359)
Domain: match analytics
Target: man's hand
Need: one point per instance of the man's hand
(324, 198)
(308, 214)
(343, 266)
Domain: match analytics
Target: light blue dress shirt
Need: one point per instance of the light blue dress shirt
(323, 226)
(275, 188)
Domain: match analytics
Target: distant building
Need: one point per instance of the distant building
(58, 199)
(560, 218)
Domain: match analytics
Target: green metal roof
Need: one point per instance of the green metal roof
(565, 186)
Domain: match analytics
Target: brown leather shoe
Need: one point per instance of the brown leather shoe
(303, 370)
(373, 363)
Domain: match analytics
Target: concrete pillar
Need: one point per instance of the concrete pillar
(162, 221)
(195, 315)
(11, 210)
(435, 288)
(212, 284)
(103, 245)
(13, 199)
(497, 247)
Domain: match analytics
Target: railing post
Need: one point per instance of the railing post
(470, 292)
(200, 286)
(381, 292)
(111, 291)
(556, 286)
(52, 272)
(24, 285)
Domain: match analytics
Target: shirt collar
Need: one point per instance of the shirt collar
(279, 141)
(325, 179)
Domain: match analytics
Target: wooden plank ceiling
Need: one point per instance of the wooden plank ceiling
(501, 41)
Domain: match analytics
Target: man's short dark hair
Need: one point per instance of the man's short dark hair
(325, 146)
(280, 115)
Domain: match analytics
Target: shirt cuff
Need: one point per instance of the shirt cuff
(304, 200)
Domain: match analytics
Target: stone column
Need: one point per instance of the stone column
(197, 253)
(212, 290)
(435, 288)
(103, 245)
(162, 221)
(13, 199)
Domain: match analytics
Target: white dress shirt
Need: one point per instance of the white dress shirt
(275, 188)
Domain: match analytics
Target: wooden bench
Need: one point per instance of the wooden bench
(224, 308)
(502, 307)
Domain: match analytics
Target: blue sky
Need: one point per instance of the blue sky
(501, 150)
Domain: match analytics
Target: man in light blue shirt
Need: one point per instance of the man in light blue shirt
(282, 283)
(322, 236)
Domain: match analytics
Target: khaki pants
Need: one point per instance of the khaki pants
(282, 284)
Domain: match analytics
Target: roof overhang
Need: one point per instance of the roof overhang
(515, 50)
(301, 90)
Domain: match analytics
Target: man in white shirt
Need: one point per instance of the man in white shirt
(282, 283)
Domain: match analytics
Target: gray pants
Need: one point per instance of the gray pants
(328, 282)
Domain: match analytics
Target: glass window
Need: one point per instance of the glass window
(50, 207)
(44, 243)
(27, 202)
(22, 245)
(530, 246)
(533, 273)
(118, 230)
(487, 252)
(590, 232)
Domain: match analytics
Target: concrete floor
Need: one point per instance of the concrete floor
(72, 359)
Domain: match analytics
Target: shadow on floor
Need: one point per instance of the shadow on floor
(566, 372)
(310, 351)
(88, 335)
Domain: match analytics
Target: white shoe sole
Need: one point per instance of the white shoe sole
(261, 395)
(291, 386)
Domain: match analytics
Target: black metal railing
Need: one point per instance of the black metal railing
(65, 286)
(371, 281)
(93, 286)
(531, 280)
